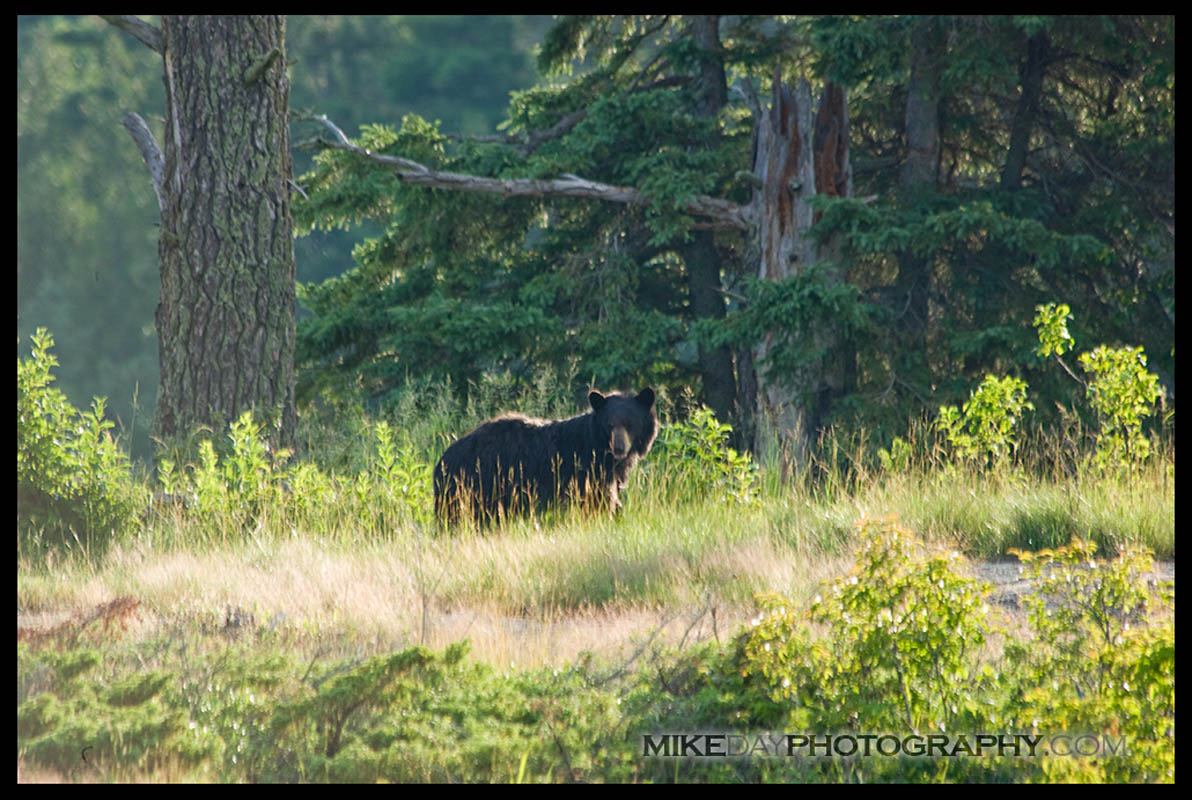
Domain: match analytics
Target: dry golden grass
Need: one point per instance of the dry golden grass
(502, 592)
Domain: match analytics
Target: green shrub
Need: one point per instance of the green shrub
(985, 429)
(901, 631)
(695, 455)
(74, 485)
(1122, 391)
(78, 724)
(906, 643)
(1098, 662)
(1124, 394)
(232, 713)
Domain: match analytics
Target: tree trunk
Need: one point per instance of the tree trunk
(793, 162)
(1030, 77)
(921, 162)
(703, 262)
(919, 173)
(226, 318)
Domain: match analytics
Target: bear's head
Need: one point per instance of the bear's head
(626, 423)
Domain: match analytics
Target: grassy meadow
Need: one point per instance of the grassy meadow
(252, 616)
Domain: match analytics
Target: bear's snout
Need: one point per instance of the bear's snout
(620, 443)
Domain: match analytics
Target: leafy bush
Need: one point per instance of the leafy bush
(1124, 394)
(74, 485)
(1122, 391)
(1098, 662)
(906, 643)
(696, 454)
(1051, 321)
(901, 631)
(250, 485)
(986, 428)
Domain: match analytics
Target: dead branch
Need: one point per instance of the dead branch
(147, 144)
(148, 35)
(721, 213)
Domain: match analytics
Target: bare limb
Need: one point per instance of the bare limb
(148, 35)
(299, 189)
(343, 143)
(722, 213)
(147, 144)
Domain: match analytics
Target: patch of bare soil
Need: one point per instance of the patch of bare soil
(1010, 583)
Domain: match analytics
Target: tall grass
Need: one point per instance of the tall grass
(346, 532)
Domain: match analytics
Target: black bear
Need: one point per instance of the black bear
(513, 463)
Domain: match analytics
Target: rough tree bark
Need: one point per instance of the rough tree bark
(225, 322)
(795, 159)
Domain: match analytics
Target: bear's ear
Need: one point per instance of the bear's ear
(646, 397)
(596, 399)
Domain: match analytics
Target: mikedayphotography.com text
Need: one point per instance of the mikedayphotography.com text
(874, 745)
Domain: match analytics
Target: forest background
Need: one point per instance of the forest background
(1048, 178)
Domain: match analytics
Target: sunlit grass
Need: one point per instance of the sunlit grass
(554, 585)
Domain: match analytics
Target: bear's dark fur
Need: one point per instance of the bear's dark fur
(514, 462)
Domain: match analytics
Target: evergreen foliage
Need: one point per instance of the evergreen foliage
(1036, 193)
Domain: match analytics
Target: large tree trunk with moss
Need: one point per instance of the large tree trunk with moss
(795, 159)
(226, 318)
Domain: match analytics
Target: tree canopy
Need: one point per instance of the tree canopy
(1000, 162)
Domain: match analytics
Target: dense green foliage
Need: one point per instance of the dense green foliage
(900, 644)
(987, 427)
(1055, 139)
(696, 453)
(1088, 217)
